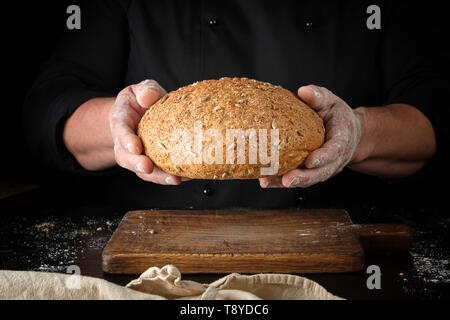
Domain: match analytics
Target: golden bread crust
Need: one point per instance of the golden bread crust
(230, 103)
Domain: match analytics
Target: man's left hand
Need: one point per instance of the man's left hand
(343, 127)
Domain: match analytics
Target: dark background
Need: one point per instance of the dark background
(31, 31)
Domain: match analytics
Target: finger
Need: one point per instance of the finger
(126, 103)
(318, 98)
(270, 182)
(264, 182)
(148, 92)
(160, 177)
(123, 115)
(131, 143)
(123, 133)
(123, 121)
(337, 138)
(136, 163)
(328, 153)
(307, 177)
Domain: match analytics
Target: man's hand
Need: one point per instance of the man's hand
(128, 109)
(343, 127)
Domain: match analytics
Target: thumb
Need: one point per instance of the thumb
(317, 98)
(148, 92)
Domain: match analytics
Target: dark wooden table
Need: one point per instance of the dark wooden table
(50, 239)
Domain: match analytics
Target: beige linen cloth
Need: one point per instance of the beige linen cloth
(159, 284)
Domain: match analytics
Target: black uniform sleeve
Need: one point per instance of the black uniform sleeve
(87, 63)
(414, 63)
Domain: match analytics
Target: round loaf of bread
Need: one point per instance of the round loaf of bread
(231, 128)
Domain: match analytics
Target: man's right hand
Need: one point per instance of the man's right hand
(124, 117)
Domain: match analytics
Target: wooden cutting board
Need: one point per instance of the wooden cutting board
(224, 241)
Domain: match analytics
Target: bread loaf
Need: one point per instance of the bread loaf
(231, 128)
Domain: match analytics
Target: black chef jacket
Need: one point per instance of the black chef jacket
(290, 43)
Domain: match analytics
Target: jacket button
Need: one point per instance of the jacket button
(213, 22)
(207, 191)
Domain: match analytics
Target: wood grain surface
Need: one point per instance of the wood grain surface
(224, 241)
